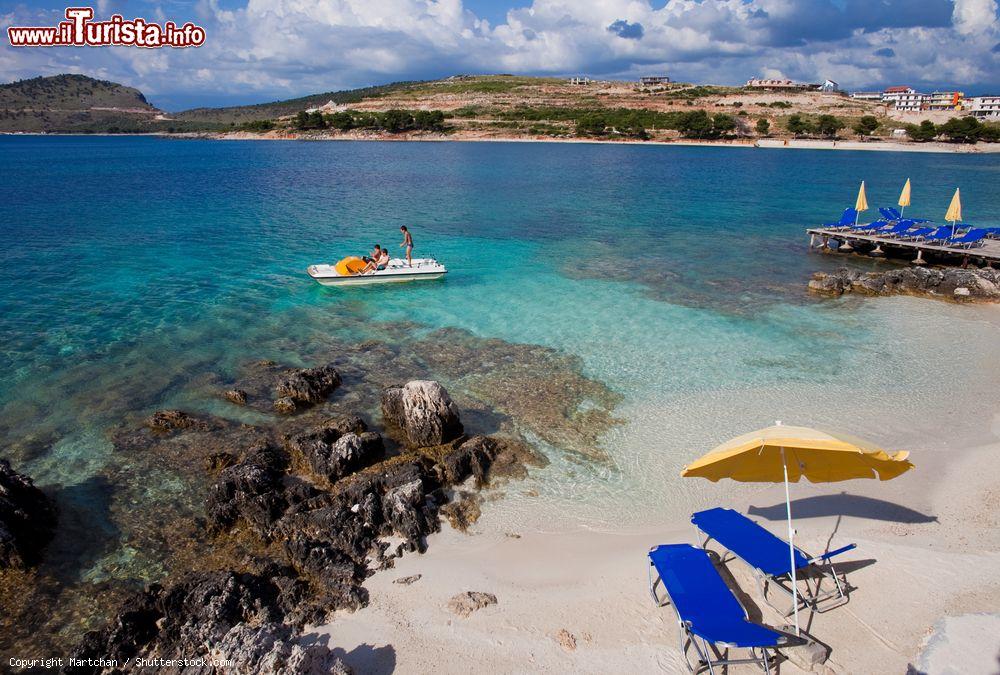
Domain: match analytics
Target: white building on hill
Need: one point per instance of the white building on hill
(903, 98)
(983, 107)
(327, 108)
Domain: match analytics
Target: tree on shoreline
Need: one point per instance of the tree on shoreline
(763, 126)
(866, 125)
(922, 133)
(828, 125)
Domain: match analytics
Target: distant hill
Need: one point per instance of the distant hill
(70, 92)
(261, 111)
(74, 104)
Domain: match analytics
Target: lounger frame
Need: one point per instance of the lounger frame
(706, 649)
(814, 598)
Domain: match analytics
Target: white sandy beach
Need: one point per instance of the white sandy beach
(769, 143)
(926, 586)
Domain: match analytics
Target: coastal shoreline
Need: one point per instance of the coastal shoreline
(575, 600)
(757, 144)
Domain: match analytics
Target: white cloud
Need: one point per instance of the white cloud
(975, 17)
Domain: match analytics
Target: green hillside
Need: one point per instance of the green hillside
(70, 92)
(260, 111)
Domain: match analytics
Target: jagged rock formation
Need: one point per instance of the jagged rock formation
(951, 283)
(247, 618)
(424, 411)
(27, 519)
(311, 508)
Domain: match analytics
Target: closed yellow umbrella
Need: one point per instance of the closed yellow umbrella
(904, 197)
(861, 204)
(786, 454)
(954, 211)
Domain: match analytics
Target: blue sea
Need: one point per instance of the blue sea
(136, 272)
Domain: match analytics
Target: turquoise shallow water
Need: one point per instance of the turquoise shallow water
(130, 267)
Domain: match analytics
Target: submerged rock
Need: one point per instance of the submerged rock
(539, 388)
(468, 602)
(484, 458)
(284, 405)
(174, 420)
(309, 385)
(462, 511)
(424, 411)
(237, 396)
(950, 283)
(27, 519)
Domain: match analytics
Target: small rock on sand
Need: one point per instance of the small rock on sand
(468, 602)
(566, 640)
(406, 581)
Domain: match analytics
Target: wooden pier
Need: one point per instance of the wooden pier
(846, 240)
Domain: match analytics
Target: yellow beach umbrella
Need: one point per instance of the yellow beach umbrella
(904, 197)
(861, 204)
(786, 454)
(954, 211)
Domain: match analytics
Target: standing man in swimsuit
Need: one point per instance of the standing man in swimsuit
(408, 244)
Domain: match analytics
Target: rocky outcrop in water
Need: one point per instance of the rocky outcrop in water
(950, 283)
(308, 385)
(309, 507)
(424, 411)
(250, 490)
(27, 519)
(174, 420)
(337, 448)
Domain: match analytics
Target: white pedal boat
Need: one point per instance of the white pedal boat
(346, 272)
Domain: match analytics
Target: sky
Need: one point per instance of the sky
(264, 50)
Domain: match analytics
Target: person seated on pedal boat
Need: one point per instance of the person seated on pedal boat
(380, 262)
(376, 254)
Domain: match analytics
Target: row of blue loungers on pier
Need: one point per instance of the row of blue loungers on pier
(710, 618)
(893, 226)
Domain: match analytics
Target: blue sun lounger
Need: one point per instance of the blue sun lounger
(870, 227)
(709, 616)
(970, 238)
(917, 233)
(941, 234)
(897, 229)
(767, 555)
(889, 213)
(847, 219)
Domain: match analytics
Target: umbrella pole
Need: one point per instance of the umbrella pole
(791, 546)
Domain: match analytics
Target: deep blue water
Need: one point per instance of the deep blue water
(130, 267)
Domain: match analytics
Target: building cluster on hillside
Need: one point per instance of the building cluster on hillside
(644, 81)
(907, 99)
(327, 108)
(772, 84)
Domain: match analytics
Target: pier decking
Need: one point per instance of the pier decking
(823, 236)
